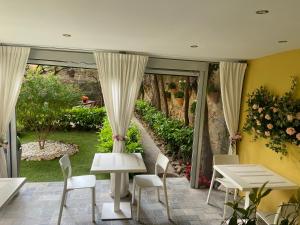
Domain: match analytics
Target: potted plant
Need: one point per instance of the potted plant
(172, 87)
(179, 97)
(168, 94)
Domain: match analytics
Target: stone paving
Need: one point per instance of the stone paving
(38, 204)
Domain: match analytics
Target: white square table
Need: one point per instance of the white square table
(248, 176)
(117, 163)
(9, 187)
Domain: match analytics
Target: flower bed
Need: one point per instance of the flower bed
(177, 136)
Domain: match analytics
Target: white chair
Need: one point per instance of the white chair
(76, 182)
(145, 181)
(223, 160)
(285, 210)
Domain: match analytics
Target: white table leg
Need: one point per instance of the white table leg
(247, 199)
(116, 210)
(117, 192)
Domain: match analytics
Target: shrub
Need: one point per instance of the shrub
(41, 102)
(82, 118)
(173, 132)
(172, 85)
(132, 143)
(179, 94)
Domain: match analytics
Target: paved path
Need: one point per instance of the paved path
(150, 149)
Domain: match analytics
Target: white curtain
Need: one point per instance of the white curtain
(231, 81)
(12, 67)
(120, 77)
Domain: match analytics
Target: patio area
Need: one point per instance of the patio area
(38, 204)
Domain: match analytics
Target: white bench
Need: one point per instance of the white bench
(9, 187)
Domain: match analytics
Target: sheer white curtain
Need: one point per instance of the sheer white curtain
(231, 81)
(120, 77)
(12, 67)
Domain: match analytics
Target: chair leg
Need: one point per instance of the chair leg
(211, 185)
(65, 201)
(139, 204)
(133, 192)
(93, 204)
(158, 198)
(61, 207)
(167, 202)
(226, 200)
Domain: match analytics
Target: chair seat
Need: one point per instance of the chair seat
(148, 181)
(79, 182)
(267, 217)
(226, 183)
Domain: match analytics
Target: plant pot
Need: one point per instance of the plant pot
(179, 101)
(173, 90)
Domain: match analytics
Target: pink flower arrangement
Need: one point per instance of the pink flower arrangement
(290, 118)
(267, 117)
(290, 131)
(298, 136)
(270, 126)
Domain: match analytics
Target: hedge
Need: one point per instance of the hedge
(82, 118)
(177, 136)
(132, 143)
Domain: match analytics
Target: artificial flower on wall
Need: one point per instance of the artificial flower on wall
(275, 118)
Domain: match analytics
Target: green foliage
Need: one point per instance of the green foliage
(182, 84)
(241, 216)
(82, 118)
(193, 107)
(173, 132)
(132, 143)
(275, 118)
(172, 85)
(168, 94)
(42, 100)
(179, 94)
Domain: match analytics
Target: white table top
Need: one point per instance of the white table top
(248, 176)
(118, 162)
(9, 187)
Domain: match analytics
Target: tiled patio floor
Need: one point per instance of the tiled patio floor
(38, 204)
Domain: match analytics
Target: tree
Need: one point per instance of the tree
(187, 101)
(42, 100)
(156, 93)
(165, 100)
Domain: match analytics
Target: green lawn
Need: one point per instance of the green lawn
(50, 170)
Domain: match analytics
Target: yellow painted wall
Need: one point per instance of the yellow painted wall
(273, 72)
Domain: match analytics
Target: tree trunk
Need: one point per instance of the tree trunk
(157, 93)
(165, 100)
(187, 102)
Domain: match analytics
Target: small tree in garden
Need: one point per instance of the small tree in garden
(42, 100)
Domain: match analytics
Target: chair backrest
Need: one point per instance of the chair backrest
(65, 165)
(162, 162)
(285, 211)
(225, 159)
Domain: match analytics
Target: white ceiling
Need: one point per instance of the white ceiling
(223, 29)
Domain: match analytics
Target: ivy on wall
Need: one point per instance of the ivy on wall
(275, 118)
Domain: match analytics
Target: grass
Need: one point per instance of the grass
(39, 171)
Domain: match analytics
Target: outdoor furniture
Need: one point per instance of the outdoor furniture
(145, 181)
(75, 182)
(248, 176)
(117, 163)
(283, 211)
(9, 187)
(223, 160)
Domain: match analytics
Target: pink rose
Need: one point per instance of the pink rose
(267, 117)
(290, 131)
(255, 106)
(258, 123)
(267, 133)
(290, 118)
(298, 136)
(298, 115)
(270, 126)
(260, 109)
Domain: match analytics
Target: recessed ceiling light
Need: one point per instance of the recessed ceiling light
(194, 46)
(66, 35)
(262, 11)
(282, 41)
